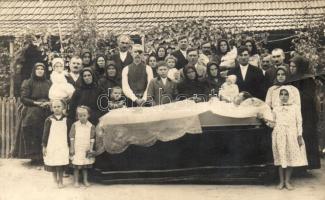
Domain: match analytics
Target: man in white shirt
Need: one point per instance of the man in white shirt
(123, 57)
(136, 78)
(249, 78)
(181, 53)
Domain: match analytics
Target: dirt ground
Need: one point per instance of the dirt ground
(20, 181)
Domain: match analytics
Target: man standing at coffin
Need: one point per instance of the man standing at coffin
(136, 78)
(249, 78)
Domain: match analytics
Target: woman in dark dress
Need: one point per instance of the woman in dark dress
(34, 96)
(214, 80)
(110, 78)
(191, 87)
(306, 84)
(86, 58)
(86, 95)
(99, 66)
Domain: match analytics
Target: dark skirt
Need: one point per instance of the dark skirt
(32, 142)
(28, 142)
(53, 168)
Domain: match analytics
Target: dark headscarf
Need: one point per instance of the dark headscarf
(99, 71)
(83, 84)
(209, 66)
(214, 83)
(106, 81)
(33, 74)
(83, 53)
(190, 87)
(286, 74)
(185, 70)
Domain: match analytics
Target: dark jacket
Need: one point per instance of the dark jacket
(181, 60)
(121, 64)
(188, 88)
(86, 95)
(161, 93)
(253, 81)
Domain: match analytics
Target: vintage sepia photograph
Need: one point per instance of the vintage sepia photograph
(162, 99)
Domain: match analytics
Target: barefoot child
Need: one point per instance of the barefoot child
(82, 138)
(287, 142)
(55, 142)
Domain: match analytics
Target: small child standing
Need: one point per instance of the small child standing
(229, 90)
(82, 138)
(115, 98)
(60, 88)
(55, 142)
(287, 141)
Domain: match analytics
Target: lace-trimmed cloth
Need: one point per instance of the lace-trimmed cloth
(144, 126)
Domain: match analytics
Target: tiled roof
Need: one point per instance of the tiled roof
(126, 15)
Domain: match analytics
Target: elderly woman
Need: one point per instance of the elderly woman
(214, 79)
(111, 78)
(191, 87)
(34, 96)
(306, 84)
(87, 95)
(281, 78)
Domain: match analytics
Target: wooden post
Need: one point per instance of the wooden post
(12, 125)
(3, 124)
(7, 130)
(12, 70)
(142, 41)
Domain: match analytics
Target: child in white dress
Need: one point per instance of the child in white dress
(229, 90)
(287, 141)
(55, 142)
(82, 138)
(60, 88)
(173, 72)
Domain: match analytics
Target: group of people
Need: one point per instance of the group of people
(79, 95)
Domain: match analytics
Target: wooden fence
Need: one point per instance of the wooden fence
(8, 125)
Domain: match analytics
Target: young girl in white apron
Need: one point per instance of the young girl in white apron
(82, 137)
(55, 142)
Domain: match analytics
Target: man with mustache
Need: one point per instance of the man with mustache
(136, 78)
(123, 57)
(268, 70)
(278, 57)
(75, 66)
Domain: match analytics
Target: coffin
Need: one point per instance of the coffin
(226, 147)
